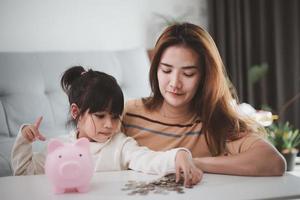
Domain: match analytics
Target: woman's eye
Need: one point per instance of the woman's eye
(189, 74)
(166, 71)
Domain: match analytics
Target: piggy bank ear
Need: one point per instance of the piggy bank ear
(54, 144)
(83, 142)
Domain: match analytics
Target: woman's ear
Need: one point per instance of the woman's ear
(74, 110)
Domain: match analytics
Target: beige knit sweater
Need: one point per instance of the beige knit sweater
(118, 153)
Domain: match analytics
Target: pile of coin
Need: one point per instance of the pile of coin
(161, 186)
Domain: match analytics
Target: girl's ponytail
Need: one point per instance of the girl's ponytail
(70, 76)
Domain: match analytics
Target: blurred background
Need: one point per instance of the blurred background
(258, 39)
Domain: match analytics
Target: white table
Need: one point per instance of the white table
(108, 185)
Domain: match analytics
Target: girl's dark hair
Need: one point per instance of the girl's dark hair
(93, 91)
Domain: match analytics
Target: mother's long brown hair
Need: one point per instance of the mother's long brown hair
(212, 101)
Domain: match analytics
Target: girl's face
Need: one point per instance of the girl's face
(98, 127)
(178, 76)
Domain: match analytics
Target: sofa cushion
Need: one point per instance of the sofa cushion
(27, 95)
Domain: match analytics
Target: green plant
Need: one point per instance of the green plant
(284, 137)
(168, 20)
(257, 72)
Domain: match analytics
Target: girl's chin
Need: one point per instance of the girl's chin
(100, 140)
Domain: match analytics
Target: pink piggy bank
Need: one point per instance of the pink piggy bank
(69, 165)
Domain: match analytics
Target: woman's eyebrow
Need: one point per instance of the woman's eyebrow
(184, 67)
(165, 64)
(190, 67)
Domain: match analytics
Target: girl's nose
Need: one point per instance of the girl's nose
(108, 122)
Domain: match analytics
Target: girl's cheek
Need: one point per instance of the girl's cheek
(117, 127)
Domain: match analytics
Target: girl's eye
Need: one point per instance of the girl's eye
(100, 116)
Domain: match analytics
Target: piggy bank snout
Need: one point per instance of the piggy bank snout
(70, 170)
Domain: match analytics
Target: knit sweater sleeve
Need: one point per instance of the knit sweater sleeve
(24, 161)
(243, 144)
(145, 160)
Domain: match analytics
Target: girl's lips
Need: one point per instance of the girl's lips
(106, 134)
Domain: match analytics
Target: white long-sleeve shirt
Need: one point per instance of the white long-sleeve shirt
(118, 153)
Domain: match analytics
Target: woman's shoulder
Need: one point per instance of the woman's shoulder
(133, 104)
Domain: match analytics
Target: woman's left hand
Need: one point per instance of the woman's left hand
(184, 163)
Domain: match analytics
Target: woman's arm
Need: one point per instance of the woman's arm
(261, 159)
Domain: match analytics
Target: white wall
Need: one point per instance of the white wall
(43, 25)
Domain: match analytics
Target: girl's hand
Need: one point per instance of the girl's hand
(32, 133)
(184, 163)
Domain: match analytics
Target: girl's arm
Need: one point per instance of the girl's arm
(261, 159)
(145, 160)
(158, 162)
(23, 160)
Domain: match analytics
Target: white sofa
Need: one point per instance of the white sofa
(30, 87)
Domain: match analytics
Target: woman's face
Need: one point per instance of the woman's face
(178, 76)
(99, 126)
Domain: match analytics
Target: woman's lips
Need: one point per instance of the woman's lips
(175, 93)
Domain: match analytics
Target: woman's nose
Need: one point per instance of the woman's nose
(175, 82)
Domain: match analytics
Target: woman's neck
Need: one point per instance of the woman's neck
(175, 112)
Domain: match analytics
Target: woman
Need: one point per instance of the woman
(191, 107)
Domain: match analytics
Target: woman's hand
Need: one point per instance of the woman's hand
(32, 133)
(184, 163)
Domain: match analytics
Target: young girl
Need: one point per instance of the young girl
(96, 104)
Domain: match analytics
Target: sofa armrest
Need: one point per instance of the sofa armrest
(6, 145)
